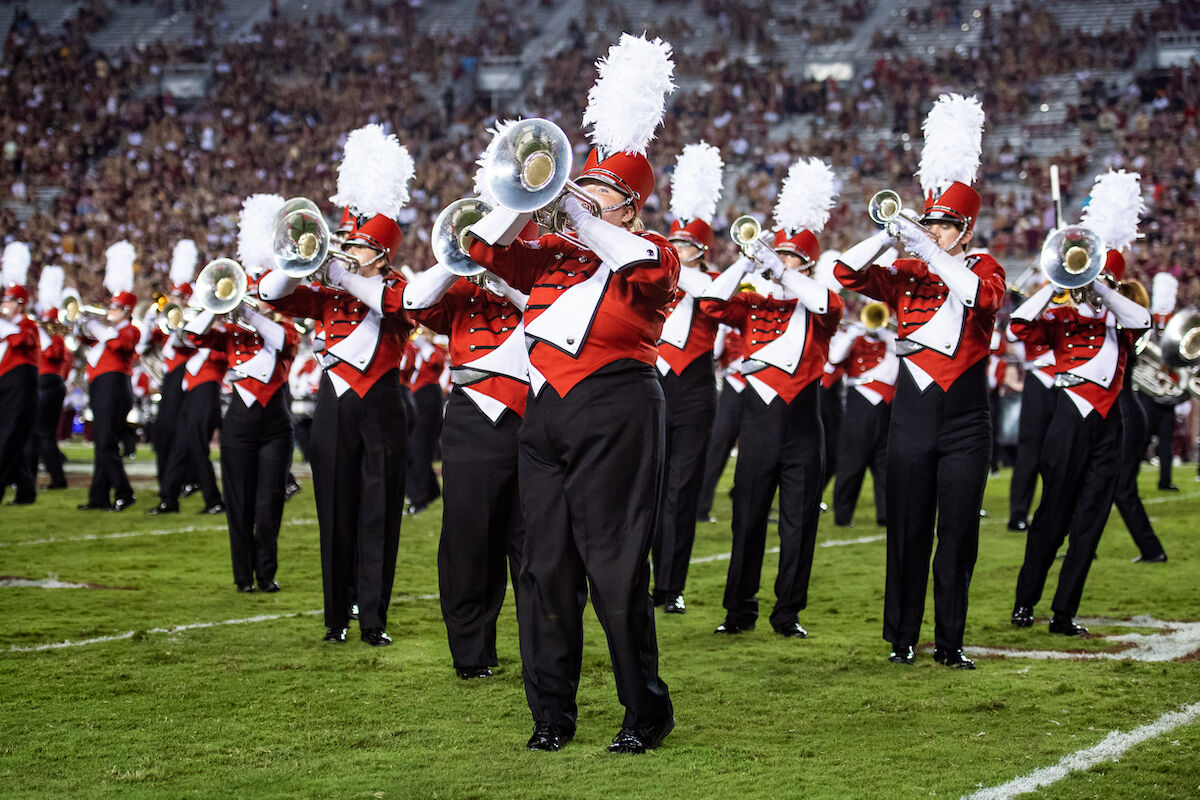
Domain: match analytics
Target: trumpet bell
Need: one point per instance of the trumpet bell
(171, 318)
(220, 286)
(745, 231)
(529, 165)
(450, 239)
(884, 207)
(1181, 339)
(301, 242)
(1072, 257)
(874, 315)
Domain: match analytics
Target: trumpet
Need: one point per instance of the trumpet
(450, 239)
(875, 315)
(529, 169)
(302, 241)
(745, 231)
(72, 310)
(886, 209)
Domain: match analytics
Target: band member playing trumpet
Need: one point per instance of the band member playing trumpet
(867, 351)
(685, 361)
(111, 349)
(591, 445)
(19, 352)
(359, 427)
(786, 320)
(1080, 460)
(54, 365)
(940, 435)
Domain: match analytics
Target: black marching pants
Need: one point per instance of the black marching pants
(1128, 500)
(1160, 423)
(833, 409)
(482, 527)
(724, 436)
(199, 417)
(422, 486)
(782, 446)
(256, 449)
(1037, 406)
(18, 412)
(358, 463)
(1079, 466)
(863, 444)
(939, 446)
(52, 391)
(691, 407)
(111, 398)
(590, 472)
(170, 406)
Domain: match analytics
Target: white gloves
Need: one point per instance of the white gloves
(1129, 314)
(275, 284)
(862, 255)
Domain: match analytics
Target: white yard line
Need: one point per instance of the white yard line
(94, 537)
(1111, 749)
(188, 627)
(1177, 640)
(831, 543)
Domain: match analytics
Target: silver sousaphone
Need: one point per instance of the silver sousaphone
(302, 243)
(1072, 257)
(450, 239)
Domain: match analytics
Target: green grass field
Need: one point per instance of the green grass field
(263, 709)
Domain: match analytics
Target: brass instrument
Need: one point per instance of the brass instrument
(302, 244)
(450, 239)
(72, 310)
(221, 287)
(1072, 257)
(886, 210)
(1181, 338)
(1167, 369)
(745, 231)
(529, 170)
(875, 315)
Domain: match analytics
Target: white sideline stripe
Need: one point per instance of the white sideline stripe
(1178, 640)
(830, 543)
(93, 537)
(189, 627)
(1111, 749)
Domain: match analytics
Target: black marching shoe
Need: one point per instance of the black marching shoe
(1022, 616)
(729, 626)
(954, 659)
(1161, 558)
(792, 630)
(270, 587)
(334, 635)
(548, 737)
(188, 490)
(1066, 626)
(123, 503)
(376, 637)
(469, 673)
(639, 740)
(54, 486)
(354, 611)
(1168, 487)
(291, 489)
(902, 654)
(94, 507)
(162, 508)
(675, 605)
(245, 588)
(213, 510)
(1015, 524)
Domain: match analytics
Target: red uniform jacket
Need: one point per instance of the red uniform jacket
(115, 355)
(248, 361)
(701, 333)
(20, 347)
(55, 359)
(480, 326)
(175, 350)
(598, 316)
(961, 336)
(427, 367)
(866, 365)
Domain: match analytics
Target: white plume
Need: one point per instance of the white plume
(628, 100)
(1164, 289)
(118, 277)
(16, 264)
(953, 142)
(806, 197)
(1114, 208)
(183, 262)
(482, 190)
(374, 174)
(256, 231)
(696, 183)
(50, 286)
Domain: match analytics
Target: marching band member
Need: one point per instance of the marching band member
(482, 526)
(54, 365)
(304, 381)
(359, 425)
(867, 352)
(1036, 409)
(1160, 411)
(1113, 211)
(1080, 458)
(940, 434)
(256, 432)
(729, 350)
(19, 351)
(787, 321)
(685, 361)
(176, 474)
(112, 343)
(591, 445)
(199, 415)
(424, 383)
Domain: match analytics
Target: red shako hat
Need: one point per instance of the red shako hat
(804, 244)
(697, 232)
(16, 292)
(958, 205)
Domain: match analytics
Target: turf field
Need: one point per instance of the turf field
(168, 683)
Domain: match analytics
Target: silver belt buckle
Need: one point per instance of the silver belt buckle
(905, 347)
(753, 365)
(1064, 380)
(465, 376)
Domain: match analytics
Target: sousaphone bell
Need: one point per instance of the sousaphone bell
(302, 240)
(450, 239)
